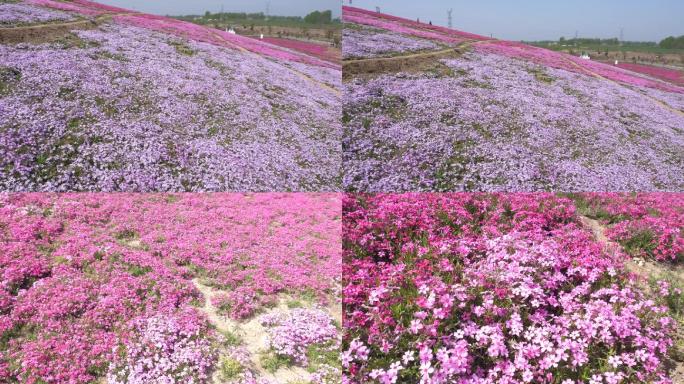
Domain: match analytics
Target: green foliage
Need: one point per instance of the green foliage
(641, 242)
(318, 355)
(231, 338)
(126, 234)
(272, 361)
(230, 368)
(317, 17)
(137, 270)
(593, 211)
(250, 20)
(541, 75)
(672, 42)
(182, 48)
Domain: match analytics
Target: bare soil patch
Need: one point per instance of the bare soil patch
(43, 33)
(411, 63)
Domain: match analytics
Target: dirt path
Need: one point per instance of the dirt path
(253, 336)
(646, 269)
(598, 76)
(410, 62)
(45, 32)
(401, 57)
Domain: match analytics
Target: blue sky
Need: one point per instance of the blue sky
(179, 7)
(646, 20)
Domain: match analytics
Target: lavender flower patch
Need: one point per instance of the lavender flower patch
(291, 334)
(365, 42)
(125, 109)
(497, 123)
(327, 76)
(12, 14)
(674, 100)
(306, 337)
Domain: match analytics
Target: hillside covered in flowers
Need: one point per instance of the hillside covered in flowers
(428, 108)
(98, 98)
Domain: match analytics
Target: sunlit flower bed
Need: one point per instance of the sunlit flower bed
(123, 108)
(14, 14)
(668, 74)
(504, 124)
(100, 285)
(504, 116)
(472, 288)
(362, 42)
(647, 225)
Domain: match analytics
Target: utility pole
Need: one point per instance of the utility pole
(622, 35)
(450, 20)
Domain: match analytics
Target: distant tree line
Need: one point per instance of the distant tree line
(316, 17)
(606, 42)
(672, 42)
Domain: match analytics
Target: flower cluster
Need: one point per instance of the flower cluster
(667, 74)
(571, 63)
(488, 122)
(217, 37)
(165, 349)
(366, 42)
(646, 224)
(405, 26)
(124, 108)
(241, 302)
(485, 118)
(310, 48)
(80, 272)
(292, 333)
(472, 288)
(16, 14)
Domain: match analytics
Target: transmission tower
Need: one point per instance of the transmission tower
(268, 10)
(622, 35)
(377, 9)
(450, 19)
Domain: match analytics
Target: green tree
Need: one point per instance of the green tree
(672, 42)
(317, 17)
